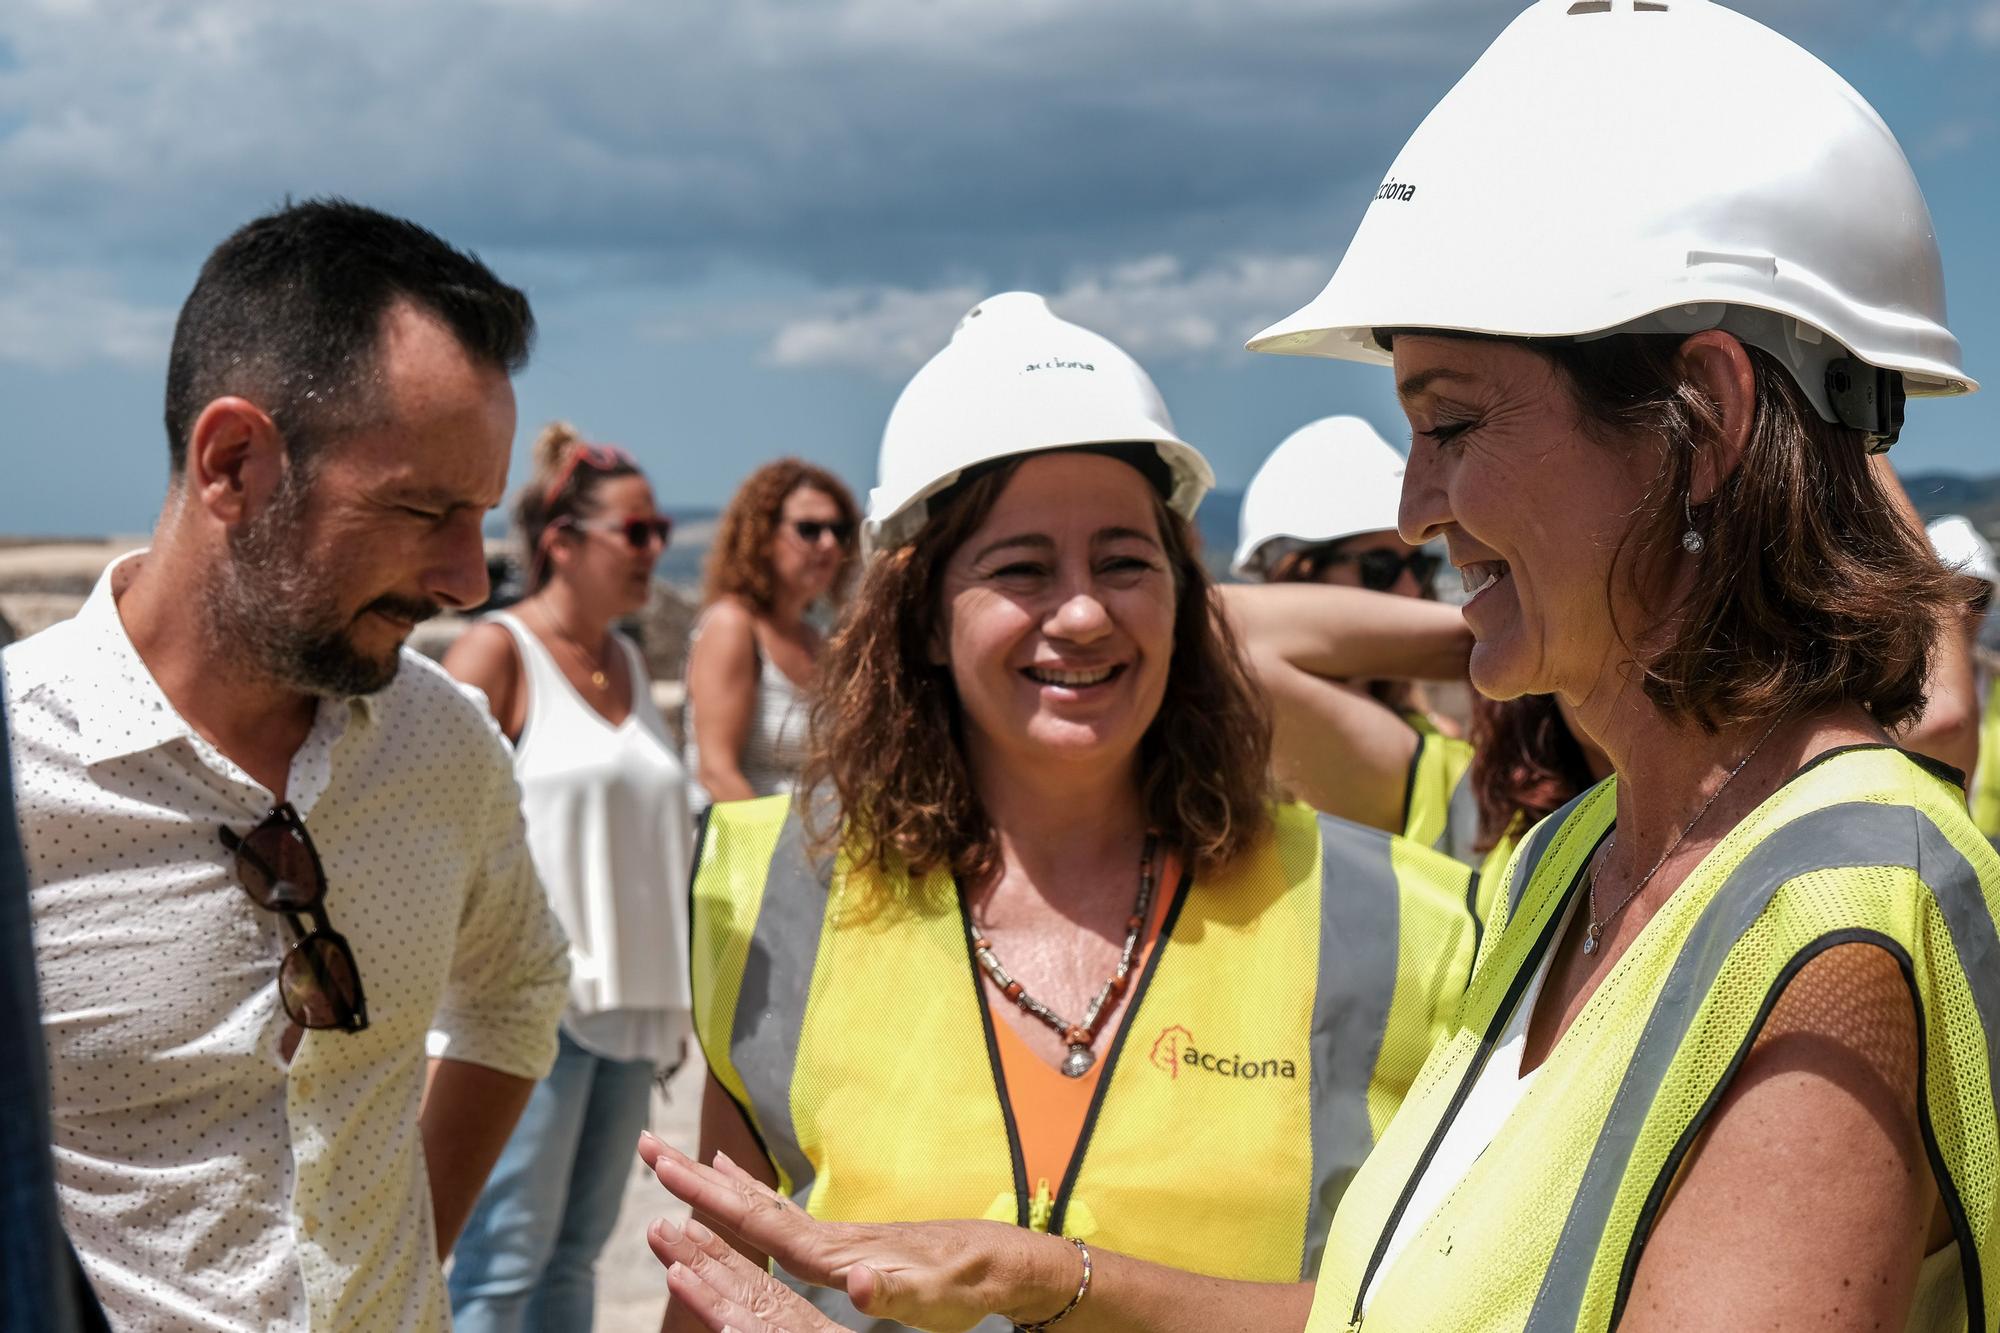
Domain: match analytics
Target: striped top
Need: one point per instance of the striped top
(774, 750)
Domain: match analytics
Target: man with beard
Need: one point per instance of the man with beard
(267, 846)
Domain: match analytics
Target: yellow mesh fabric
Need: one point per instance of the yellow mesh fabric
(1480, 1260)
(1440, 762)
(1986, 778)
(894, 1098)
(728, 893)
(1234, 989)
(1434, 948)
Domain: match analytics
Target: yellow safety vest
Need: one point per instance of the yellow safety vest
(1440, 810)
(1547, 1228)
(1986, 778)
(1271, 1036)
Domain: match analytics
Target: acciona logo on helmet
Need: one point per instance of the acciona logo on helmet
(1175, 1052)
(1391, 189)
(1057, 363)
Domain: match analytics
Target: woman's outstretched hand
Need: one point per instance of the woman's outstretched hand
(943, 1276)
(725, 1291)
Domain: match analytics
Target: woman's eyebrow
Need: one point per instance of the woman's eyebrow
(1027, 540)
(1423, 380)
(1125, 534)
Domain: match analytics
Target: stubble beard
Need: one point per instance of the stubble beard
(270, 606)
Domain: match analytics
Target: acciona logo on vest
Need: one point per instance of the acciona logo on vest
(1176, 1052)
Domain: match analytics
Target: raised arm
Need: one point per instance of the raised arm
(1334, 745)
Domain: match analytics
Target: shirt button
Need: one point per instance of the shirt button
(309, 1222)
(303, 1085)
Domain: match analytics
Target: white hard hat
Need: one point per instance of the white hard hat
(1015, 379)
(1959, 545)
(1331, 479)
(1654, 166)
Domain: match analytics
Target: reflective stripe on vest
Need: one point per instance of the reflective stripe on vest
(1860, 834)
(1863, 846)
(1270, 1037)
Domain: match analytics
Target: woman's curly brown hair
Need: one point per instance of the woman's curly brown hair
(888, 746)
(739, 564)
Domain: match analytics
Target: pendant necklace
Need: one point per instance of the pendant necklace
(1595, 932)
(594, 664)
(1080, 1036)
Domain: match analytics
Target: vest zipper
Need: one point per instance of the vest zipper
(1506, 1011)
(1042, 1208)
(1059, 1214)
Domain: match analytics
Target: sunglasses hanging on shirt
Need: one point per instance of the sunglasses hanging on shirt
(319, 983)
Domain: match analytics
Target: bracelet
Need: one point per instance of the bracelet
(1082, 1290)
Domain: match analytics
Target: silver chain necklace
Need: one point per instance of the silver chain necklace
(1080, 1037)
(1595, 932)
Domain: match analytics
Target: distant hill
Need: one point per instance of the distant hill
(1939, 493)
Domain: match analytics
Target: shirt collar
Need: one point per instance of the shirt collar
(120, 708)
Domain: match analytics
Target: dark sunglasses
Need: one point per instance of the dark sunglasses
(318, 981)
(811, 529)
(1379, 569)
(638, 532)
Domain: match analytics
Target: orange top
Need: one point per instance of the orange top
(1049, 1106)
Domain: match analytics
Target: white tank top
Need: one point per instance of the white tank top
(775, 749)
(610, 835)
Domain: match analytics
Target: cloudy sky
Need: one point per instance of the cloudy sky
(745, 222)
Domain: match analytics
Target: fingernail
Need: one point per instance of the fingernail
(698, 1233)
(667, 1230)
(722, 1158)
(677, 1269)
(645, 1137)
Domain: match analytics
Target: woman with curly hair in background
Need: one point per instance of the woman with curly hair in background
(788, 538)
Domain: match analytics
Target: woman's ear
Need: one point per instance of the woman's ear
(1720, 367)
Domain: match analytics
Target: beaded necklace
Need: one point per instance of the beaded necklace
(1080, 1036)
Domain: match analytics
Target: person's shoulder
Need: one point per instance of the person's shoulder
(427, 698)
(33, 670)
(729, 615)
(39, 657)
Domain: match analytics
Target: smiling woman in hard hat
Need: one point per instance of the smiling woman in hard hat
(1653, 282)
(1729, 1060)
(1039, 948)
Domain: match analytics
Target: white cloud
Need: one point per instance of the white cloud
(63, 318)
(1154, 307)
(886, 331)
(1985, 24)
